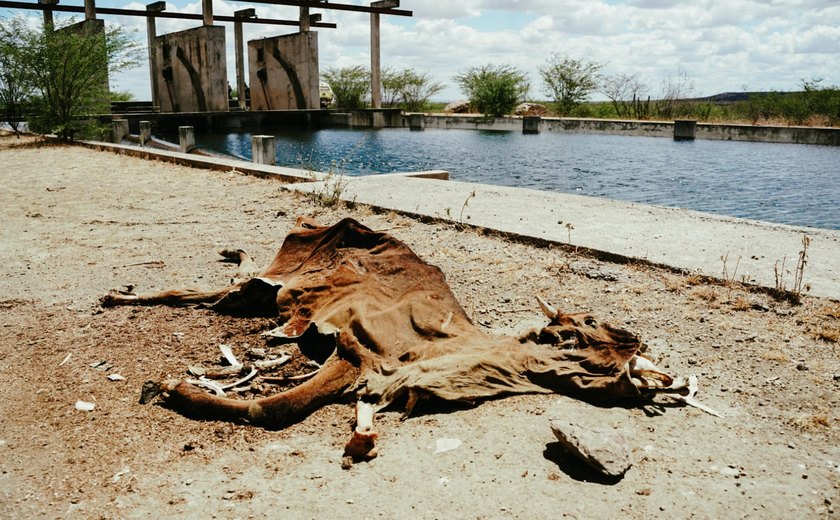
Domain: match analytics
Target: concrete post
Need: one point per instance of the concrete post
(207, 11)
(119, 129)
(531, 124)
(263, 149)
(239, 52)
(375, 56)
(48, 14)
(375, 63)
(684, 129)
(417, 122)
(90, 10)
(304, 19)
(186, 137)
(145, 132)
(151, 34)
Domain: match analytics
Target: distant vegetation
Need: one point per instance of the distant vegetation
(570, 83)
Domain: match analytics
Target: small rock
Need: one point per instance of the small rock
(837, 377)
(85, 406)
(116, 377)
(802, 367)
(444, 445)
(606, 451)
(730, 472)
(457, 107)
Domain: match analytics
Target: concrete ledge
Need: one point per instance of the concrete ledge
(728, 132)
(680, 239)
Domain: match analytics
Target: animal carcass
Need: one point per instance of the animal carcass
(391, 330)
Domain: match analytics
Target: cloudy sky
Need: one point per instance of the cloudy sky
(721, 46)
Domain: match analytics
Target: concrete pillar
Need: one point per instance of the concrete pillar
(263, 149)
(207, 11)
(119, 129)
(417, 122)
(375, 55)
(151, 34)
(186, 138)
(684, 129)
(48, 14)
(145, 132)
(90, 10)
(304, 19)
(239, 52)
(531, 124)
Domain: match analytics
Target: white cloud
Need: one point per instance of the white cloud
(720, 45)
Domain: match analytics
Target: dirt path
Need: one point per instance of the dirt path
(76, 223)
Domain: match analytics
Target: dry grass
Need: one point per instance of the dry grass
(810, 423)
(741, 304)
(777, 356)
(828, 334)
(831, 311)
(706, 292)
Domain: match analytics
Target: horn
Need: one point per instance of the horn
(547, 309)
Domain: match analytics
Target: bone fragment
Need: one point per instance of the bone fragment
(286, 379)
(66, 359)
(251, 375)
(210, 385)
(691, 401)
(227, 352)
(85, 406)
(549, 311)
(219, 373)
(268, 364)
(362, 445)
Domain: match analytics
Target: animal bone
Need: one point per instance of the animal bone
(549, 311)
(268, 364)
(362, 445)
(227, 352)
(691, 401)
(251, 375)
(206, 383)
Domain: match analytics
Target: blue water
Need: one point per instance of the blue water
(785, 183)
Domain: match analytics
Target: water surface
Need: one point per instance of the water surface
(785, 183)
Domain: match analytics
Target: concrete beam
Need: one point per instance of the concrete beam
(239, 52)
(207, 11)
(263, 149)
(186, 138)
(90, 10)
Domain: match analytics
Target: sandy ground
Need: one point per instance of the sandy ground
(76, 223)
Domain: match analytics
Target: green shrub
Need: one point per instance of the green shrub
(494, 90)
(350, 86)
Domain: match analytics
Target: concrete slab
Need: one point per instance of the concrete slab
(682, 239)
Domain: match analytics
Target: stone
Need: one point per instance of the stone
(605, 450)
(530, 109)
(458, 107)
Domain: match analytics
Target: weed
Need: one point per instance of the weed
(569, 228)
(466, 202)
(831, 311)
(800, 266)
(811, 422)
(706, 293)
(741, 304)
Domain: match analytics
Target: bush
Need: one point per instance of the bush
(408, 89)
(569, 81)
(494, 89)
(350, 86)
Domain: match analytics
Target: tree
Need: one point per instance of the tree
(625, 92)
(350, 86)
(494, 89)
(569, 81)
(674, 95)
(407, 88)
(68, 69)
(16, 87)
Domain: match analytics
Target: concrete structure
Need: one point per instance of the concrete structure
(119, 129)
(238, 49)
(151, 36)
(263, 149)
(145, 132)
(186, 138)
(375, 52)
(284, 72)
(48, 13)
(684, 129)
(191, 75)
(531, 124)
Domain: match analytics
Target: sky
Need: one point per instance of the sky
(717, 46)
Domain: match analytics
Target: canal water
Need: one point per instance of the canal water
(784, 183)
